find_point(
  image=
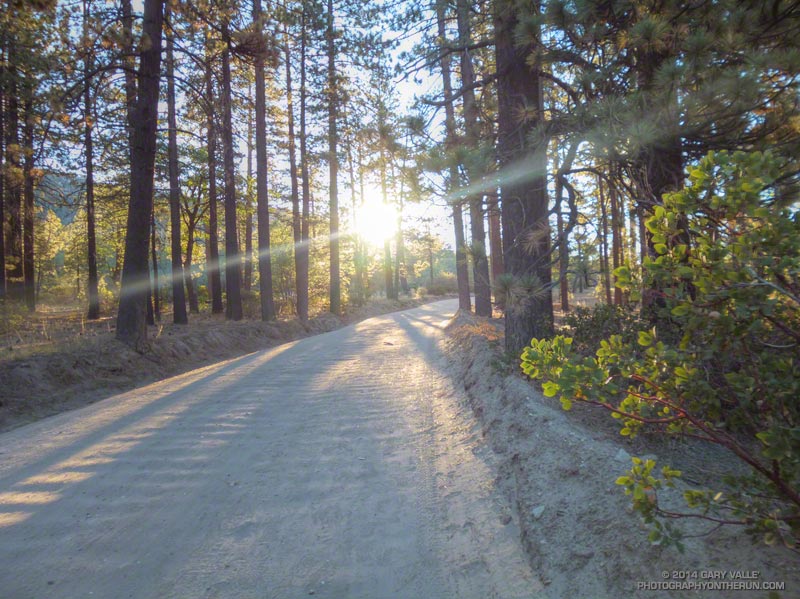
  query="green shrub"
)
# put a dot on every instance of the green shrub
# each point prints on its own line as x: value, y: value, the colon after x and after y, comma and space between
x: 589, y: 326
x: 444, y: 284
x: 732, y: 374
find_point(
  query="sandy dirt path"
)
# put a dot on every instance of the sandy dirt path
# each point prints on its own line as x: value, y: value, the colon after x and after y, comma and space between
x: 339, y: 466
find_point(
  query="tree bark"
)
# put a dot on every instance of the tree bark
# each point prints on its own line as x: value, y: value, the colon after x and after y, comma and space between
x: 480, y: 263
x: 155, y: 292
x: 262, y: 200
x: 495, y: 236
x: 92, y: 290
x: 142, y: 120
x: 604, y: 253
x: 28, y: 204
x: 233, y: 260
x: 302, y: 250
x: 179, y: 315
x: 214, y: 279
x: 297, y: 231
x: 15, y: 274
x: 333, y: 161
x: 247, y: 283
x: 2, y: 180
x: 194, y: 306
x: 616, y: 237
x: 526, y: 230
x: 462, y: 269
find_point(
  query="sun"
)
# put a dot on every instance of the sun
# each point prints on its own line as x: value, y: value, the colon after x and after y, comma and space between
x: 376, y: 222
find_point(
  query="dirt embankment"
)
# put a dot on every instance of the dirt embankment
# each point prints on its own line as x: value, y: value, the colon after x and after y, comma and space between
x: 560, y: 469
x: 42, y: 379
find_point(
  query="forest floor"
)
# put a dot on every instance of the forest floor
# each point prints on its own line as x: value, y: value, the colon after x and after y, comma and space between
x: 560, y: 468
x: 55, y: 361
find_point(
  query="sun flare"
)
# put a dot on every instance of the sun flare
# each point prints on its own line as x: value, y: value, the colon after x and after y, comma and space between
x: 376, y: 222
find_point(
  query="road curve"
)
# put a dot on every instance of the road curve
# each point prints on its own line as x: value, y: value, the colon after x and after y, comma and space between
x: 339, y: 466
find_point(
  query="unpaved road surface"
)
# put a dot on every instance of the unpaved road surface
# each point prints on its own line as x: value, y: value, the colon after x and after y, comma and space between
x: 339, y: 466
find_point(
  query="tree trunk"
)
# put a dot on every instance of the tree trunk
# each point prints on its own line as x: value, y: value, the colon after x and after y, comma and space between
x: 2, y: 177
x: 194, y: 306
x: 15, y: 274
x: 143, y: 120
x: 155, y: 292
x: 247, y: 283
x: 333, y: 161
x: 563, y: 249
x: 233, y: 260
x: 604, y: 253
x: 297, y: 230
x: 92, y: 290
x: 462, y: 269
x: 179, y: 315
x: 480, y: 263
x: 302, y: 250
x: 616, y: 237
x: 28, y: 205
x: 264, y: 259
x: 387, y: 247
x: 526, y: 230
x: 495, y: 236
x: 214, y: 279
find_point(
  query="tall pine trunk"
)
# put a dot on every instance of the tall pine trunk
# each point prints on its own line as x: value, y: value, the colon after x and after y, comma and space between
x: 480, y: 263
x: 526, y: 230
x: 2, y: 174
x: 495, y: 236
x: 233, y: 260
x: 451, y: 136
x: 179, y: 315
x: 333, y: 162
x: 29, y: 280
x: 15, y: 274
x: 92, y: 290
x: 143, y: 121
x: 297, y: 231
x: 247, y: 283
x: 191, y: 292
x: 302, y: 250
x: 214, y: 279
x: 262, y: 199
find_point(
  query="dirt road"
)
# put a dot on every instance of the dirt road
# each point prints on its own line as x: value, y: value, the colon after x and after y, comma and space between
x: 338, y: 466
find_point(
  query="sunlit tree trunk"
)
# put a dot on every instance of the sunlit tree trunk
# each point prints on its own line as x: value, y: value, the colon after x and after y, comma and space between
x: 480, y: 263
x: 262, y: 200
x: 247, y: 283
x: 604, y: 253
x: 214, y: 279
x: 179, y: 315
x: 233, y: 259
x: 333, y: 160
x: 2, y: 176
x: 143, y: 120
x: 462, y: 269
x: 297, y: 225
x: 13, y: 170
x: 27, y: 204
x: 525, y: 214
x: 302, y: 251
x: 88, y: 123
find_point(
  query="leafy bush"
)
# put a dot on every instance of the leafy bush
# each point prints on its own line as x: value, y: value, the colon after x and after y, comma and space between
x: 443, y: 284
x: 589, y: 326
x: 732, y: 376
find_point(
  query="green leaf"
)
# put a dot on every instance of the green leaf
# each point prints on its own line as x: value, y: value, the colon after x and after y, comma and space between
x: 680, y: 310
x: 645, y: 339
x: 550, y: 388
